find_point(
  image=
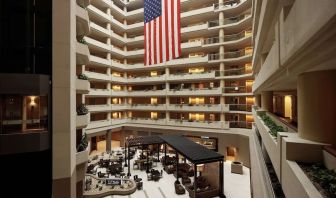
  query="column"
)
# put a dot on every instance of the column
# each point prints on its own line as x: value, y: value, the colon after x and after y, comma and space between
x: 257, y: 100
x: 108, y: 140
x: 64, y: 98
x: 316, y: 106
x: 267, y: 101
x: 24, y: 114
x: 167, y: 112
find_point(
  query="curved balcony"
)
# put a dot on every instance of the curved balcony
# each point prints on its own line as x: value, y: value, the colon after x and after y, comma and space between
x: 207, y: 75
x: 239, y: 40
x: 234, y: 73
x: 240, y: 56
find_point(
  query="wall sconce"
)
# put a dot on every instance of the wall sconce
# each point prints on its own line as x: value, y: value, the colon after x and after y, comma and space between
x: 32, y: 101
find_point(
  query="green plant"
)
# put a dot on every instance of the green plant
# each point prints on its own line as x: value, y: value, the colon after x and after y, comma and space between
x: 324, y: 177
x: 82, y: 110
x: 83, y: 41
x: 82, y: 77
x: 83, y: 143
x: 274, y: 128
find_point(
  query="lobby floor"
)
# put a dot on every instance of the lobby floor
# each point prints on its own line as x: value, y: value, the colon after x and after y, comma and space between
x: 235, y: 185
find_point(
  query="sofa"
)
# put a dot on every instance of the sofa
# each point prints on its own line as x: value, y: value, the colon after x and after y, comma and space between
x: 179, y: 188
x: 184, y: 170
x: 203, y: 189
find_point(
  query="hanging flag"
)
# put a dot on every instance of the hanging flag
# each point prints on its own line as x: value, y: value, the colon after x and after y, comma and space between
x: 162, y: 31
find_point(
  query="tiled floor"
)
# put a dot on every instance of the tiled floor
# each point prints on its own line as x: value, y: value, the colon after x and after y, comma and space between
x: 235, y: 186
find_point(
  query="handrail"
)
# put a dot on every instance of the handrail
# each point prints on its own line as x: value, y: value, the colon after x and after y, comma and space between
x: 235, y: 54
x: 227, y: 21
x: 226, y: 38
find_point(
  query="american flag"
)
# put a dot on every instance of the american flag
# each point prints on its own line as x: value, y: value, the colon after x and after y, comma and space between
x: 162, y: 31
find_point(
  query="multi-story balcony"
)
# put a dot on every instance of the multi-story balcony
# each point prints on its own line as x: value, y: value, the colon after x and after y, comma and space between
x: 148, y: 107
x: 207, y: 75
x: 201, y: 124
x: 237, y: 91
x: 195, y: 92
x: 195, y: 107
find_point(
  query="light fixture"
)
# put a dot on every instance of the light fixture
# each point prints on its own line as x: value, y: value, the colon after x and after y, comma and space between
x: 32, y: 101
x: 200, y: 168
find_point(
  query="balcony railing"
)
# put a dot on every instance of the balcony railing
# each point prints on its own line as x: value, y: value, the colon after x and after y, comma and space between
x: 233, y: 72
x: 226, y: 4
x: 237, y: 89
x: 228, y: 55
x: 241, y: 124
x: 226, y: 38
x: 227, y: 21
x: 240, y: 107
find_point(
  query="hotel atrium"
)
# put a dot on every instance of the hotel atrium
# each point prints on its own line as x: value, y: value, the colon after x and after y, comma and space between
x: 247, y: 109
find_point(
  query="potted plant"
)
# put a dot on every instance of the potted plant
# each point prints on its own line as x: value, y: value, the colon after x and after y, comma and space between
x: 82, y: 41
x: 83, y: 143
x: 82, y: 77
x: 82, y: 110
